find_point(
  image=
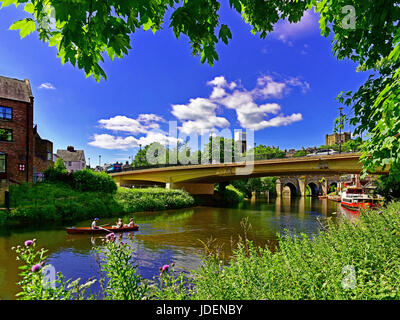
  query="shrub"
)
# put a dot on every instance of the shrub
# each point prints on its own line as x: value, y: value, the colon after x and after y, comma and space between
x: 87, y: 180
x: 57, y: 173
x: 229, y: 194
x: 133, y: 200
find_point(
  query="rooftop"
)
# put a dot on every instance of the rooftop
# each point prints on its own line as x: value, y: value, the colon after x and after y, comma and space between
x: 66, y: 155
x: 14, y: 89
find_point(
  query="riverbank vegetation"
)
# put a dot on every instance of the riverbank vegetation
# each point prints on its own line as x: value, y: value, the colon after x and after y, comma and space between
x: 60, y: 202
x: 227, y: 194
x: 351, y: 259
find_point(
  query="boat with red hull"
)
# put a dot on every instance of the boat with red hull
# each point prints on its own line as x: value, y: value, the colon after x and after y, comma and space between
x: 354, y: 198
x: 89, y: 230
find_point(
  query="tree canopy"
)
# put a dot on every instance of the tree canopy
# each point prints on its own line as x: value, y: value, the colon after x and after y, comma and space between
x: 367, y: 32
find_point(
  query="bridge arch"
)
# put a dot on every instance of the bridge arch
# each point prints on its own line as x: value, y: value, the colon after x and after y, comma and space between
x: 314, y: 189
x: 292, y: 188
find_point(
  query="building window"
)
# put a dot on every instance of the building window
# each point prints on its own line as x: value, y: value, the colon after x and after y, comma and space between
x: 69, y: 163
x: 2, y: 163
x: 21, y: 167
x: 6, y: 135
x: 5, y: 113
x: 49, y: 156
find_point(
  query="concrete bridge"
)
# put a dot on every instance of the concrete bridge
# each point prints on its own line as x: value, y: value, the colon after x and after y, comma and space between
x: 296, y: 173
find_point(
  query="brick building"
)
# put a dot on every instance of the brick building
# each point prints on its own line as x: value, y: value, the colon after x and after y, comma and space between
x: 331, y: 139
x: 18, y: 138
x: 43, y: 157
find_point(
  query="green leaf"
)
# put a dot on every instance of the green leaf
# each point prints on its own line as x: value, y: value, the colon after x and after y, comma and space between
x: 6, y: 3
x: 26, y: 26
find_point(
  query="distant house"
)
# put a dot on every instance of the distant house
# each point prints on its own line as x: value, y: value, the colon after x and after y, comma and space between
x: 74, y: 159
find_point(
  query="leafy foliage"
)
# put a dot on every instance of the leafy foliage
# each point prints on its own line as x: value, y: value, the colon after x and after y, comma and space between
x: 262, y: 152
x: 150, y: 199
x: 85, y: 31
x: 123, y: 281
x: 247, y: 186
x: 34, y: 285
x: 88, y: 180
x: 60, y: 202
x: 300, y: 153
x: 228, y: 194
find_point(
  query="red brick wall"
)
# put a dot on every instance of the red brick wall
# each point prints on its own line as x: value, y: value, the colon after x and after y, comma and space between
x: 42, y: 149
x: 16, y: 150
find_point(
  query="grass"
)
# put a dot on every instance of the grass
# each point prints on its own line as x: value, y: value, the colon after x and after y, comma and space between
x: 59, y: 202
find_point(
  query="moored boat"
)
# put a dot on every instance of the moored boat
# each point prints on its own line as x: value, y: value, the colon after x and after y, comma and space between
x: 89, y: 230
x: 355, y: 198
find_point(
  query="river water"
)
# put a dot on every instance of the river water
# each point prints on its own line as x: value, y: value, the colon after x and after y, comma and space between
x: 167, y: 236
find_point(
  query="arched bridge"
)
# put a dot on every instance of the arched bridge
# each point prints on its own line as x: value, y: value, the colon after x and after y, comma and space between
x: 200, y: 178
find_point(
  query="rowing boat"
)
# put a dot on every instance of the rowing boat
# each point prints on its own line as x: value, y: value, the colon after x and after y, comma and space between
x: 89, y: 230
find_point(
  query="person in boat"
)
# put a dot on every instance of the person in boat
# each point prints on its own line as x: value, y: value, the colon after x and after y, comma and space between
x: 119, y: 224
x: 94, y: 223
x: 130, y: 224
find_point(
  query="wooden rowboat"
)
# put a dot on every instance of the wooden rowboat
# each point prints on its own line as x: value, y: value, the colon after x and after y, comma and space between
x: 89, y: 230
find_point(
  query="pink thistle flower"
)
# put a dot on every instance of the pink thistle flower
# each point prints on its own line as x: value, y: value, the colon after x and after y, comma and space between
x: 28, y: 243
x: 36, y: 268
x: 165, y: 267
x: 110, y: 236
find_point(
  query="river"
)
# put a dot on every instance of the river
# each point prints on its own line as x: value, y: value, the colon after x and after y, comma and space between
x: 167, y: 236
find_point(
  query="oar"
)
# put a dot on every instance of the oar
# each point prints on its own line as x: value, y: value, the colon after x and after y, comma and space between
x: 105, y: 229
x: 103, y: 225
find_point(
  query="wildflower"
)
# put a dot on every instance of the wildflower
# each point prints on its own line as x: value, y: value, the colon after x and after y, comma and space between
x: 28, y: 243
x: 110, y: 236
x: 36, y: 268
x: 165, y: 267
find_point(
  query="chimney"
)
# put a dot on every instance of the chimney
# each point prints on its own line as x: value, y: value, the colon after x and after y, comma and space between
x: 70, y: 149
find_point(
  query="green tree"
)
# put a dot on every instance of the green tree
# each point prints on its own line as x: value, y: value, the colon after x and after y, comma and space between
x: 264, y: 152
x: 300, y: 153
x: 140, y: 158
x: 367, y: 32
x: 59, y: 166
x: 215, y: 149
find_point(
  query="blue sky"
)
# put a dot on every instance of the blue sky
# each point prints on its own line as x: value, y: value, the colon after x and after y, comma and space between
x: 284, y: 87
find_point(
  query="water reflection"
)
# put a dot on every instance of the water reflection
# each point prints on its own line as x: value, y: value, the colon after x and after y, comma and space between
x: 174, y: 235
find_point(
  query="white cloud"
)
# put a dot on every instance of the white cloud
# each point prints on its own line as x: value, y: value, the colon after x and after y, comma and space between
x: 142, y: 124
x: 198, y: 115
x: 218, y: 93
x: 254, y: 116
x: 107, y: 141
x: 47, y: 86
x: 286, y: 31
x: 268, y: 88
x: 278, y: 121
